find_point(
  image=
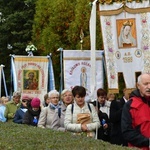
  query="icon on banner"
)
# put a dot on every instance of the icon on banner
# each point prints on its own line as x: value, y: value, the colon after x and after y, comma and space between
x: 126, y: 32
x: 30, y: 81
x: 83, y: 77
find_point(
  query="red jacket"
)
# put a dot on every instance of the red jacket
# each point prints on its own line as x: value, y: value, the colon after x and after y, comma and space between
x: 140, y: 113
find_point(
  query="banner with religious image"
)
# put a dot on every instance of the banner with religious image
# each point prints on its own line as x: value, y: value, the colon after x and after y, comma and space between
x: 77, y: 66
x: 126, y: 38
x: 31, y: 75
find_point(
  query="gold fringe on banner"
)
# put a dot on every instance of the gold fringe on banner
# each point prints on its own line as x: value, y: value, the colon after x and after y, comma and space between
x: 113, y: 91
x: 124, y: 8
x: 129, y: 90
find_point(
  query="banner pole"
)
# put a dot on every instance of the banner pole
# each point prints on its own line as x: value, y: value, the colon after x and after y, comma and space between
x: 61, y: 68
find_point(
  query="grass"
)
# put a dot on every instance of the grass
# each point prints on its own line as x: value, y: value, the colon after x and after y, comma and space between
x: 23, y: 137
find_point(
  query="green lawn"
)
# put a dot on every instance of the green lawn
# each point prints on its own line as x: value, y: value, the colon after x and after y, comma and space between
x: 22, y: 137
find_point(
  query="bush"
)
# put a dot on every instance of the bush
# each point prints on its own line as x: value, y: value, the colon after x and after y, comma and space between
x: 23, y: 137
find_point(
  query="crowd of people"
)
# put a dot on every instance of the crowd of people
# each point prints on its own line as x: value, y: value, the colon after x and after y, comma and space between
x: 123, y: 121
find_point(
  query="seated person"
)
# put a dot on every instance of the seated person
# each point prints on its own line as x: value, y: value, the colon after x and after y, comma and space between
x: 21, y: 111
x: 31, y: 116
x: 12, y: 106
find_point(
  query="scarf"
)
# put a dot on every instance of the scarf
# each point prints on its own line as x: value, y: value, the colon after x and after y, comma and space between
x: 52, y: 106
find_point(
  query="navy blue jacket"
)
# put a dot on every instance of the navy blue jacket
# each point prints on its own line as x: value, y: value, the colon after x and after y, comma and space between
x: 19, y: 115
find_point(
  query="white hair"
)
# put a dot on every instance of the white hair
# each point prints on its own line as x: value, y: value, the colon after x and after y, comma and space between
x: 140, y: 77
x: 53, y: 92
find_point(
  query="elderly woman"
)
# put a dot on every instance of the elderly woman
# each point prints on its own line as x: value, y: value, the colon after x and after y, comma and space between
x: 58, y: 120
x: 81, y: 117
x: 47, y: 113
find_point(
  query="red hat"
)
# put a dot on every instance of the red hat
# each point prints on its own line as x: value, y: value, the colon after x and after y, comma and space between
x: 35, y: 103
x: 26, y: 97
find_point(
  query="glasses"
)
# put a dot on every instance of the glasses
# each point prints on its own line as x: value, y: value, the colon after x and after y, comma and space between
x: 54, y: 97
x: 24, y: 101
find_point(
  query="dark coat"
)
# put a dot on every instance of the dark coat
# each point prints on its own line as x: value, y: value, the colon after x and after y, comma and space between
x: 19, y: 115
x: 115, y: 119
x: 103, y: 134
x: 31, y: 117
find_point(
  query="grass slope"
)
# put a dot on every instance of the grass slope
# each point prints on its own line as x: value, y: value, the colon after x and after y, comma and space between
x: 22, y: 137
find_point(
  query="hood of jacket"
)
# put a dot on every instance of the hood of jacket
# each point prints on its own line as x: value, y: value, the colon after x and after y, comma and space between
x: 135, y: 93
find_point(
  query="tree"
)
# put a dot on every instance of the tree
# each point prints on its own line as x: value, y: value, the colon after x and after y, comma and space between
x: 16, y: 29
x: 52, y: 21
x: 58, y: 24
x: 48, y: 24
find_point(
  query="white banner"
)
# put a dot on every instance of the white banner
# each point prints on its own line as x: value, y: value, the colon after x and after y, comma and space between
x: 77, y: 67
x: 32, y: 75
x: 126, y: 38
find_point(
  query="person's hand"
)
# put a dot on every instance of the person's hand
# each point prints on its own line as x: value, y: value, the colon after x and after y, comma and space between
x: 84, y: 127
x: 105, y: 126
x: 11, y: 115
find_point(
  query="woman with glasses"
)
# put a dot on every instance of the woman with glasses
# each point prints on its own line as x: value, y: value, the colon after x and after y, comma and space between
x: 47, y: 113
x: 21, y: 111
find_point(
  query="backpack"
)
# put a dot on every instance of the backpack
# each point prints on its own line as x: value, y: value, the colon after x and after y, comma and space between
x: 72, y: 108
x: 59, y: 112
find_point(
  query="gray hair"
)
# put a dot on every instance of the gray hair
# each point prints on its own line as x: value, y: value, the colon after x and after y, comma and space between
x: 140, y: 76
x: 53, y: 92
x: 17, y: 93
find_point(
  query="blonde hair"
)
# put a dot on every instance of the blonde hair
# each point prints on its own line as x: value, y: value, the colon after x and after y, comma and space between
x: 63, y: 92
x: 4, y: 100
x: 109, y: 96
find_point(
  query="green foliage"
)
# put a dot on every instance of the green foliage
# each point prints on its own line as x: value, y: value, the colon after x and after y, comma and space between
x: 58, y: 24
x: 16, y: 30
x: 16, y: 137
x: 48, y: 25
